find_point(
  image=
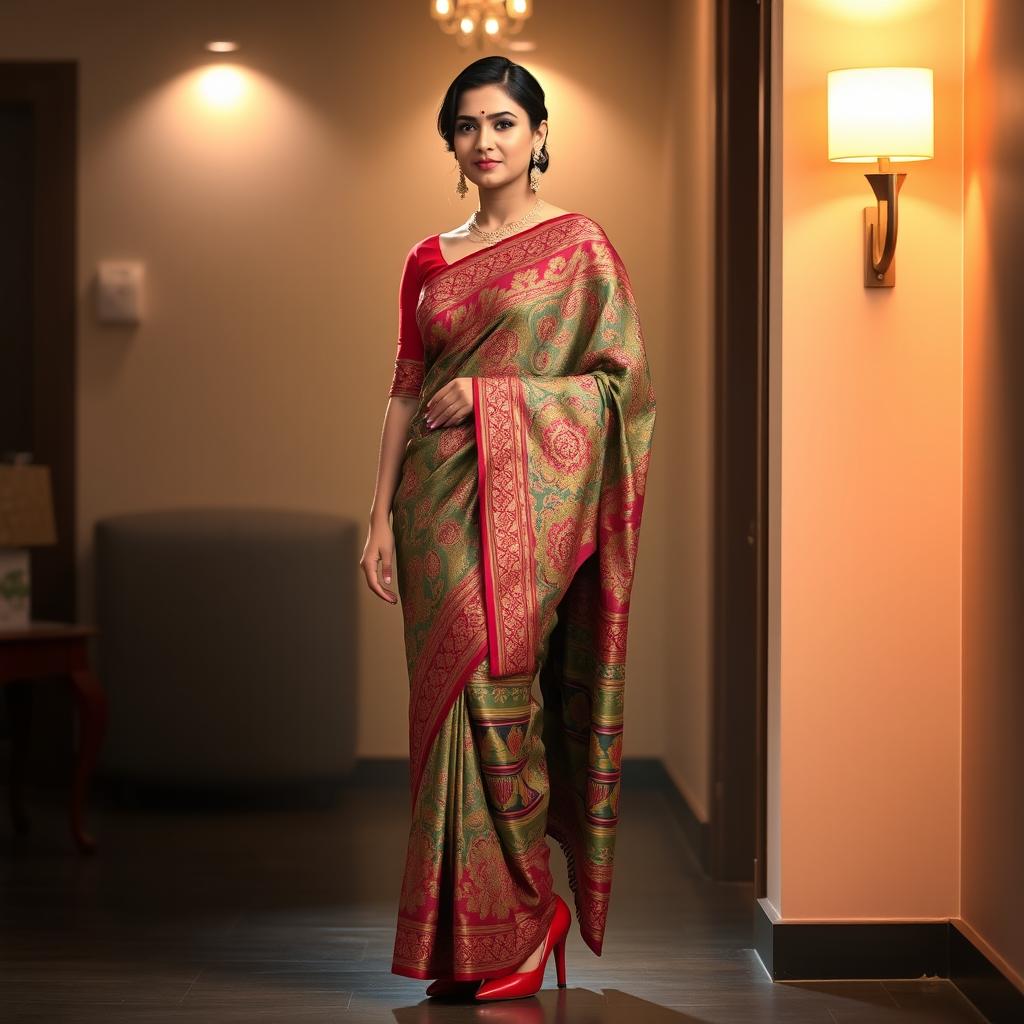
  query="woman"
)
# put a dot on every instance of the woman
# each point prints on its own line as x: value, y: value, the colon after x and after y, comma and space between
x: 514, y: 457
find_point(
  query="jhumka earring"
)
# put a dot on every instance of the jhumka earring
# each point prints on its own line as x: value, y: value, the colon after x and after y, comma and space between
x: 462, y: 188
x: 534, y: 176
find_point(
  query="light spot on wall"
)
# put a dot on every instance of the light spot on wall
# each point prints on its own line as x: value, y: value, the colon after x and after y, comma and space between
x: 222, y: 86
x: 874, y: 10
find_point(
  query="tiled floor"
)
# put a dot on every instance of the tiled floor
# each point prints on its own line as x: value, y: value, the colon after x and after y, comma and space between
x: 288, y: 915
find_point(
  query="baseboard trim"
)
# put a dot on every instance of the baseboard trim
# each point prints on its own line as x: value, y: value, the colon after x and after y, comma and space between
x: 980, y: 979
x: 138, y: 791
x: 651, y: 772
x: 808, y: 951
x: 814, y: 951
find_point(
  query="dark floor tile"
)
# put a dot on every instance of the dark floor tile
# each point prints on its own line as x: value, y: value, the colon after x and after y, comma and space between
x: 116, y: 1013
x: 938, y: 996
x: 288, y: 916
x: 843, y: 994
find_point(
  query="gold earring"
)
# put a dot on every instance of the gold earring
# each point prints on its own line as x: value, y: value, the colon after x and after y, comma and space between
x: 462, y: 188
x: 534, y: 176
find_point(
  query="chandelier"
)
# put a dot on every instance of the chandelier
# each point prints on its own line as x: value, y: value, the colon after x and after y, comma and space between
x: 481, y: 22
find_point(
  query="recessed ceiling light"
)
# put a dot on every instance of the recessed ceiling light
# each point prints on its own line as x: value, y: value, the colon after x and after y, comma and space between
x: 222, y: 46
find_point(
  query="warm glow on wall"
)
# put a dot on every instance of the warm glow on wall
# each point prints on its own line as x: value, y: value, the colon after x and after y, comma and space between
x: 222, y: 86
x: 866, y: 11
x: 880, y: 112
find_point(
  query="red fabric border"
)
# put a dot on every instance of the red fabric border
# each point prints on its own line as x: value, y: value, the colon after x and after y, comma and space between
x: 508, y: 543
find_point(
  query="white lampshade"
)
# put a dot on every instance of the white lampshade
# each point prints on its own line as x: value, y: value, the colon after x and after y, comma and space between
x: 880, y: 112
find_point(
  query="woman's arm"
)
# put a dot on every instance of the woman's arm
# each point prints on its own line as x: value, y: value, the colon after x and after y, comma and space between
x: 380, y: 541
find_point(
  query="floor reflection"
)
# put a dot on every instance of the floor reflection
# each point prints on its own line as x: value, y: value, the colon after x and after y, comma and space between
x: 549, y: 1006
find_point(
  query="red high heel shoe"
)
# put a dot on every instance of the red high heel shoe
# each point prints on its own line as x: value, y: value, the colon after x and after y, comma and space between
x: 528, y: 983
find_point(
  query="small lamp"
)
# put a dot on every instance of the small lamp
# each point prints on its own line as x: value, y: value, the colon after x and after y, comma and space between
x: 883, y: 114
x: 26, y: 520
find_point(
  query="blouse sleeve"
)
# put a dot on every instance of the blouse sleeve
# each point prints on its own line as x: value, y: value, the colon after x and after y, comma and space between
x: 408, y: 375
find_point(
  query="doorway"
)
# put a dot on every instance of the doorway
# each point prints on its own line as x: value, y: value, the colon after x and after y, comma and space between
x: 38, y: 182
x: 737, y: 839
x: 38, y: 178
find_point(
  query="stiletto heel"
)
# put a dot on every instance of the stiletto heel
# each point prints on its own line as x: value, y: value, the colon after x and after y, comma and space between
x: 527, y: 983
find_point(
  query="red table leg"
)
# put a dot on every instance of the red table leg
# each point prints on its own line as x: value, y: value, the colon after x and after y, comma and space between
x: 91, y: 702
x: 19, y: 711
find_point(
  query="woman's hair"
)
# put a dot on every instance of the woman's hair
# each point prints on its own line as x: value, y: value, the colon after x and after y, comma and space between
x: 520, y: 85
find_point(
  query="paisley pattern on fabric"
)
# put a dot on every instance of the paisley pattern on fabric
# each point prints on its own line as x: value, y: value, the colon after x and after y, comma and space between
x: 516, y: 538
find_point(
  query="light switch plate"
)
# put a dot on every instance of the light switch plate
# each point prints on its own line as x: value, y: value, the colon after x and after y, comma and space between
x: 119, y: 286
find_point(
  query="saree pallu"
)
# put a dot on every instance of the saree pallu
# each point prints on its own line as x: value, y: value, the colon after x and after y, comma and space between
x: 516, y: 537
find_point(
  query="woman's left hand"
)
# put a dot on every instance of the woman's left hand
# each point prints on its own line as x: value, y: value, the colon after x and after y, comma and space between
x: 451, y: 404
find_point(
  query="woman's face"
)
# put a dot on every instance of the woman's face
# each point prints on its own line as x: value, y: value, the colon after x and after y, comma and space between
x: 489, y: 125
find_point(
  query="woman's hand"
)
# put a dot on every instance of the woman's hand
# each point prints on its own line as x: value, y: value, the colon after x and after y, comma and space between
x: 380, y: 548
x: 451, y: 404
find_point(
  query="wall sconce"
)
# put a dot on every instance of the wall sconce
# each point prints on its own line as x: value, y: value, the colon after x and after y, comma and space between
x: 880, y: 114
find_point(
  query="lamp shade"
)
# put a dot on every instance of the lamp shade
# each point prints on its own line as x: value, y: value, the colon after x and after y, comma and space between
x: 880, y: 112
x: 26, y: 506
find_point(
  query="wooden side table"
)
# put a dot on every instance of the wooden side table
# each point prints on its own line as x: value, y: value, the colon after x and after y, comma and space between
x: 30, y: 654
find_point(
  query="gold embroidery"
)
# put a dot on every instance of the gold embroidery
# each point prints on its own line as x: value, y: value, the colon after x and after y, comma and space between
x: 408, y: 378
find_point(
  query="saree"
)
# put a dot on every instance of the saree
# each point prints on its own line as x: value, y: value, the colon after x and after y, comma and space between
x: 516, y: 536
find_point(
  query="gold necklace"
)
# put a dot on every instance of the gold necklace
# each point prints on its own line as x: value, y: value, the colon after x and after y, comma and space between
x: 506, y: 229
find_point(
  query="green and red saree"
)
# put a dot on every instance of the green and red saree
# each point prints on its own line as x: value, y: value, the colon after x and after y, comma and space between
x: 516, y: 537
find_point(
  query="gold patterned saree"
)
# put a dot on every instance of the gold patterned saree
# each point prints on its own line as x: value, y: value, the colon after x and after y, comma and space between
x: 516, y: 538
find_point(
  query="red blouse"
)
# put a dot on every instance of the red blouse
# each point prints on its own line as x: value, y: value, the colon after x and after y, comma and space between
x: 424, y: 259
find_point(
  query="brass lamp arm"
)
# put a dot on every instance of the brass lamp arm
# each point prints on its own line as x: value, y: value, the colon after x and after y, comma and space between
x: 886, y: 187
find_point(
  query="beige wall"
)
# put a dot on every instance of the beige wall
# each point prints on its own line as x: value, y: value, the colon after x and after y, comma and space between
x: 273, y: 239
x: 685, y: 415
x: 865, y: 739
x: 993, y: 665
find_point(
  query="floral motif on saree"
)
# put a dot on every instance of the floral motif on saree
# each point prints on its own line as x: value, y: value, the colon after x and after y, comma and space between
x: 516, y: 539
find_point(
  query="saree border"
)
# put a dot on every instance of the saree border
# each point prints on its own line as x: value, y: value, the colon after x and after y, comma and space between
x: 590, y: 897
x: 499, y: 946
x: 443, y: 668
x: 510, y: 255
x: 508, y: 542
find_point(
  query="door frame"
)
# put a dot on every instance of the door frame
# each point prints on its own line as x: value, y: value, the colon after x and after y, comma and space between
x: 50, y: 90
x: 737, y: 840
